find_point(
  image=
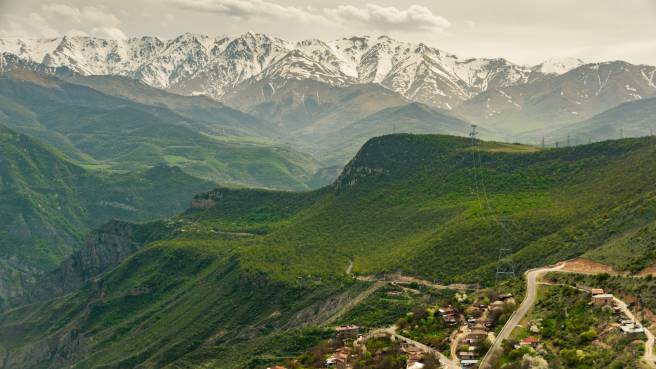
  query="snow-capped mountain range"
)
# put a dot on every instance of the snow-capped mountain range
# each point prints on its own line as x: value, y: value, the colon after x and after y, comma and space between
x: 197, y: 64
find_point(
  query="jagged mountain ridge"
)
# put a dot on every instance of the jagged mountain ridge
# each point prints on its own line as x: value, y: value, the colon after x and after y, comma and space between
x: 199, y: 64
x: 571, y: 97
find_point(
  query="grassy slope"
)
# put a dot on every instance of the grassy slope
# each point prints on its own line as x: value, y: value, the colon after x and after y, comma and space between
x: 48, y: 204
x: 233, y: 278
x: 114, y: 133
x: 409, y: 202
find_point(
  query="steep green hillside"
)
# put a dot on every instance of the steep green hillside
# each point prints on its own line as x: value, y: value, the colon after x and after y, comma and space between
x: 48, y: 204
x: 231, y: 280
x: 107, y: 132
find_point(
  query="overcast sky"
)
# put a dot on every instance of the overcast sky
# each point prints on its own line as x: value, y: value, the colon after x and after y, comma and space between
x: 524, y: 31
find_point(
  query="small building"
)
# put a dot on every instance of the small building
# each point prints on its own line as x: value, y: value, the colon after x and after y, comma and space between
x: 414, y: 360
x: 632, y: 327
x: 347, y: 331
x: 603, y: 299
x: 468, y: 363
x: 449, y: 314
x: 340, y: 358
x: 467, y: 355
x: 476, y: 336
x: 447, y: 310
x: 415, y: 365
x: 597, y: 291
x: 529, y: 341
x: 505, y: 296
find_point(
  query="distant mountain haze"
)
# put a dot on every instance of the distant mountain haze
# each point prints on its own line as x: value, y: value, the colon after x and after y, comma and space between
x: 296, y: 86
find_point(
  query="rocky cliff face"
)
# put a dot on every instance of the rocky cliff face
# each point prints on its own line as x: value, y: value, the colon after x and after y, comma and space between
x: 103, y: 249
x: 15, y: 276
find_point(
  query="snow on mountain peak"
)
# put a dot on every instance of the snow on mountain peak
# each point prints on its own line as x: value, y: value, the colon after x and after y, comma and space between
x: 559, y: 66
x: 200, y: 64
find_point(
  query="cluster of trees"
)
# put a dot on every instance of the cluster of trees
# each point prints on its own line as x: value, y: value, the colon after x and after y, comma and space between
x: 382, y: 353
x: 426, y: 326
x: 574, y: 335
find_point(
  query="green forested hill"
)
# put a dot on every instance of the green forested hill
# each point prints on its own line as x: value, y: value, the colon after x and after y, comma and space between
x: 48, y: 204
x: 237, y: 275
x: 115, y: 133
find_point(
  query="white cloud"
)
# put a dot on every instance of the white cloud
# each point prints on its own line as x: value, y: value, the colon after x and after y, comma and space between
x: 414, y: 18
x: 33, y: 25
x: 55, y: 19
x: 372, y: 16
x: 248, y: 9
x: 111, y: 33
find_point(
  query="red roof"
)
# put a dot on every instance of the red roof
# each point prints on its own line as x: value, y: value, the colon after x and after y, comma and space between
x: 530, y: 340
x: 344, y: 328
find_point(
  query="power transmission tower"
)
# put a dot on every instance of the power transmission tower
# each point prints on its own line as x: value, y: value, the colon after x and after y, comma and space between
x: 621, y: 133
x: 568, y: 141
x: 543, y: 142
x: 473, y: 133
x: 504, y: 268
x: 394, y: 129
x: 557, y: 143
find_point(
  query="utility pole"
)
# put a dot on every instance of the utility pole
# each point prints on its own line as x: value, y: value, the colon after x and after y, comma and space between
x: 568, y: 141
x: 394, y: 129
x: 543, y: 142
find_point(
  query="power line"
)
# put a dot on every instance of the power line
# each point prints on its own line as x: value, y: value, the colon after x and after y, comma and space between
x: 503, y: 267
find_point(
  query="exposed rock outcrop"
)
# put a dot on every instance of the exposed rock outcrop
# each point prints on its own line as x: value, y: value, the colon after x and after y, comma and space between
x: 103, y: 249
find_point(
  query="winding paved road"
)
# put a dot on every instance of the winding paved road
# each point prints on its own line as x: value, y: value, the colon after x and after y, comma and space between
x: 532, y: 277
x: 531, y: 294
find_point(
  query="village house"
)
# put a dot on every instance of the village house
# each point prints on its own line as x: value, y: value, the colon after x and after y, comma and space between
x: 602, y: 300
x: 414, y: 359
x: 632, y: 327
x: 467, y: 355
x: 597, y: 291
x: 506, y: 296
x: 339, y: 359
x: 529, y: 341
x: 476, y: 336
x: 468, y: 363
x: 347, y: 331
x: 497, y: 305
x: 449, y: 314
